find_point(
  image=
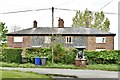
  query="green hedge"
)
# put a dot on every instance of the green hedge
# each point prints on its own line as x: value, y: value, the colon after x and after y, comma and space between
x: 61, y: 55
x: 31, y: 53
x: 69, y: 56
x: 12, y: 55
x: 103, y: 57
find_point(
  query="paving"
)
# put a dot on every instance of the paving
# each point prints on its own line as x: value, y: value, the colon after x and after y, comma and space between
x: 71, y: 72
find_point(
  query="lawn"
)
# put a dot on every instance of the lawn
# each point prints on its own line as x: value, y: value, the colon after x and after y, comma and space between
x: 107, y: 67
x: 18, y: 74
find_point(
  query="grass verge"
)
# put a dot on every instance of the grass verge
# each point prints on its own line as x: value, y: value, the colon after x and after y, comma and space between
x: 19, y: 74
x: 106, y: 67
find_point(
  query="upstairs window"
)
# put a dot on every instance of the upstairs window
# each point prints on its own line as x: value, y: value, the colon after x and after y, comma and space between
x: 68, y: 39
x: 18, y: 39
x: 47, y: 39
x: 100, y: 39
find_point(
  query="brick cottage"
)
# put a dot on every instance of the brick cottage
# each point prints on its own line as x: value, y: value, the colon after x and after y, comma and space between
x: 75, y: 37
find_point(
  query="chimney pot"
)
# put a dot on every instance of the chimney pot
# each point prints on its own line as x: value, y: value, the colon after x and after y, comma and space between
x: 34, y: 24
x: 60, y: 23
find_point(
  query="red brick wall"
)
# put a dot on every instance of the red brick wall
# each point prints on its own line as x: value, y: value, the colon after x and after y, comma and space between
x: 26, y: 42
x: 92, y: 45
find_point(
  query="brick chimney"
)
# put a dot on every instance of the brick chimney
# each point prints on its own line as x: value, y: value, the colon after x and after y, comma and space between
x: 34, y: 24
x: 60, y: 23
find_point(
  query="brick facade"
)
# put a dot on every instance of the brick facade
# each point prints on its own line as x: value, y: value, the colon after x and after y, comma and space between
x: 26, y: 42
x: 108, y: 45
x: 88, y: 41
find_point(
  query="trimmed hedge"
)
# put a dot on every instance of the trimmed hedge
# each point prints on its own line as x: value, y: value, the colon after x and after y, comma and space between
x: 103, y: 57
x: 61, y: 55
x: 31, y: 53
x: 12, y: 55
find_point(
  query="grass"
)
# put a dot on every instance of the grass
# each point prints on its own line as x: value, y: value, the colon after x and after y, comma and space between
x: 18, y: 74
x: 107, y: 67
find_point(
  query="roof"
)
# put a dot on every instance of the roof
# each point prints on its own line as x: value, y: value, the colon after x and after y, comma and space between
x: 62, y: 31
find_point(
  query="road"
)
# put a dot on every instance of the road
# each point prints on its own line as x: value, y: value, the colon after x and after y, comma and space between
x: 71, y: 72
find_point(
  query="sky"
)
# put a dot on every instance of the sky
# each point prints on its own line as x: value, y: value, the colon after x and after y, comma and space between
x: 25, y: 19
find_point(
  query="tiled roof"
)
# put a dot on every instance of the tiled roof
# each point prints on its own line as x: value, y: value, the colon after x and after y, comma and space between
x: 65, y: 31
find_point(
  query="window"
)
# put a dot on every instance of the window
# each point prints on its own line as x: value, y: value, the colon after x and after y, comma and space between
x: 68, y: 39
x: 18, y: 39
x: 100, y: 39
x: 47, y: 39
x: 100, y: 49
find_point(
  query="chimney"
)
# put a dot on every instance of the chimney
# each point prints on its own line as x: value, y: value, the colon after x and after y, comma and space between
x: 61, y: 23
x: 34, y: 24
x: 87, y: 24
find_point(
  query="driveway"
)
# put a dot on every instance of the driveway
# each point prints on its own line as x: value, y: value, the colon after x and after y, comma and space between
x: 71, y: 72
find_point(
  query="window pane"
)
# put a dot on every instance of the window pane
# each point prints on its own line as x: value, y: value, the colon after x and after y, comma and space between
x: 18, y: 39
x: 100, y: 39
x: 68, y: 39
x: 47, y: 39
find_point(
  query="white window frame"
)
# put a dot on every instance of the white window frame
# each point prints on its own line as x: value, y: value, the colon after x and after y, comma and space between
x: 18, y: 38
x: 100, y: 49
x: 47, y: 39
x: 67, y: 39
x: 100, y: 39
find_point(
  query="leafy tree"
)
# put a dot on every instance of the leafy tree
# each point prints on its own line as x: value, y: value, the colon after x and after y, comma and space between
x: 90, y: 19
x: 3, y: 31
x: 55, y: 40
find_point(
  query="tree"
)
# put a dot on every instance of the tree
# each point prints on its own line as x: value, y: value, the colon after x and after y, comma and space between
x: 3, y: 31
x: 55, y: 40
x: 90, y: 19
x: 15, y: 28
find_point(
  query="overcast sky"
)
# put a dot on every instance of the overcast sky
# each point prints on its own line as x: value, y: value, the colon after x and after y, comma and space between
x: 25, y: 20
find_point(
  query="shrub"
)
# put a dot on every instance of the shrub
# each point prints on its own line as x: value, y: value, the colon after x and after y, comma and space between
x: 12, y: 55
x: 59, y: 52
x: 69, y: 56
x: 61, y: 55
x: 102, y: 57
x: 31, y: 53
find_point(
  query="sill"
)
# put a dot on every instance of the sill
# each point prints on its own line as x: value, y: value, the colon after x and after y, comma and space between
x: 100, y: 43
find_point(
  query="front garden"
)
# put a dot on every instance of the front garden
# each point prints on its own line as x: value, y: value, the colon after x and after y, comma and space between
x: 63, y: 58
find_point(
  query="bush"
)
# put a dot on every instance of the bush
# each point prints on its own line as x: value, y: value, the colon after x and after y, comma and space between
x: 102, y: 57
x: 59, y: 52
x: 61, y: 55
x: 31, y: 53
x: 69, y: 56
x: 12, y: 55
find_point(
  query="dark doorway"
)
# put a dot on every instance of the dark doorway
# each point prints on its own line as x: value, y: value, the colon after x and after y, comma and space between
x: 80, y: 49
